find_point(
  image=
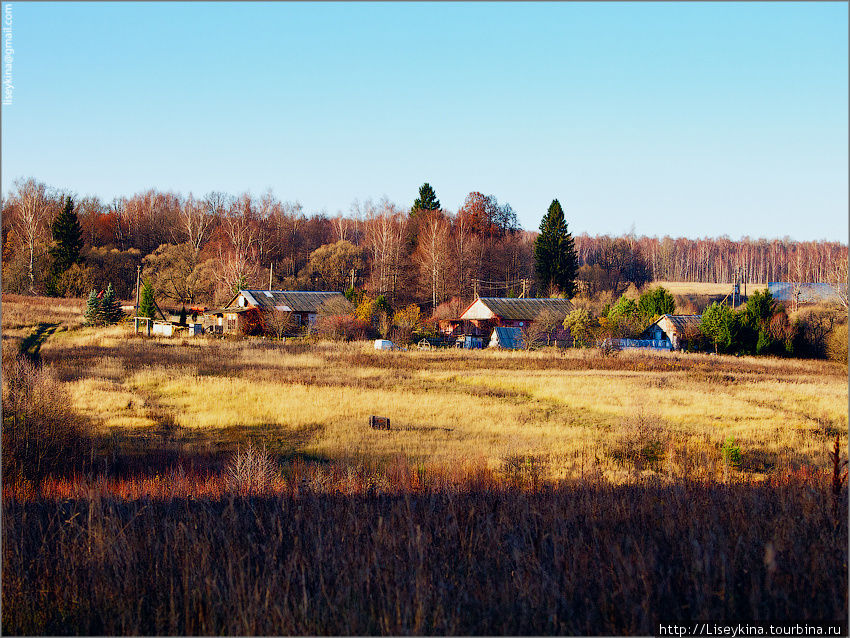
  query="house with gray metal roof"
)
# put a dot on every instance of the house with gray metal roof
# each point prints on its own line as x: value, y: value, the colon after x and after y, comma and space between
x: 511, y: 312
x: 305, y: 307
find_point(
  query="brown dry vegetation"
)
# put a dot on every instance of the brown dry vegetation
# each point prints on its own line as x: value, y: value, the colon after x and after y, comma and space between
x: 523, y: 493
x: 585, y: 558
x: 693, y: 297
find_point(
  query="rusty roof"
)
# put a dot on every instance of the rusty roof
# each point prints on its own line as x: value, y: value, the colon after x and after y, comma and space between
x: 296, y: 300
x: 513, y: 309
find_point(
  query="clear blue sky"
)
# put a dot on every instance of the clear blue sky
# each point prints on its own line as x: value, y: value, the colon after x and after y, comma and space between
x: 678, y: 118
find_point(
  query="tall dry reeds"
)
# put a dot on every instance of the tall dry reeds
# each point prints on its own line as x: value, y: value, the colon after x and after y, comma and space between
x: 41, y: 435
x: 579, y: 558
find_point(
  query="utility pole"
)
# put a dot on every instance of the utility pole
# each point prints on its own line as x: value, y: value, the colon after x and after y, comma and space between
x: 138, y: 277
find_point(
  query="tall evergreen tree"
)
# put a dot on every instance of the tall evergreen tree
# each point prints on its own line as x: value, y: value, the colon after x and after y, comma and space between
x: 555, y: 260
x: 68, y: 238
x: 147, y: 308
x: 92, y: 309
x: 110, y: 309
x: 427, y: 199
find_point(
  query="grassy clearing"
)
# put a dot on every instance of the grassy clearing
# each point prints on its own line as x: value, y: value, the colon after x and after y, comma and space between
x: 560, y: 409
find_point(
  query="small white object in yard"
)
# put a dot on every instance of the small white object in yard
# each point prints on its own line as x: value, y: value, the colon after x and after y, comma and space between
x: 383, y: 344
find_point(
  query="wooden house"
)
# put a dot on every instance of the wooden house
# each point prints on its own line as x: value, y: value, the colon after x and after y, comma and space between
x: 234, y: 317
x: 677, y: 329
x: 486, y: 313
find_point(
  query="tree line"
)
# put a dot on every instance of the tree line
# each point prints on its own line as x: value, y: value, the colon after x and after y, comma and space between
x: 199, y: 250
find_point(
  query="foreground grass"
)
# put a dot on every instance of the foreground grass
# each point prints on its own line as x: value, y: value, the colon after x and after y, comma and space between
x: 586, y: 558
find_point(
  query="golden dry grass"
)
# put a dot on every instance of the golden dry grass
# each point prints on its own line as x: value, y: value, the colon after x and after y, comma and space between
x: 700, y: 288
x: 565, y: 411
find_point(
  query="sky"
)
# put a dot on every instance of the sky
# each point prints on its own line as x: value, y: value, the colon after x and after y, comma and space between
x: 680, y: 119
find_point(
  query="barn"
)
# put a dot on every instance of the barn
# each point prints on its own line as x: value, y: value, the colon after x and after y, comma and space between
x: 677, y: 329
x: 304, y: 306
x: 486, y: 313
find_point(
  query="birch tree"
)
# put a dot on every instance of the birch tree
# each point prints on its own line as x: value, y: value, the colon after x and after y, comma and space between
x: 32, y: 206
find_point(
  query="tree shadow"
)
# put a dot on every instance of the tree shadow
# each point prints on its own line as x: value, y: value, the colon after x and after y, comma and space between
x: 31, y: 346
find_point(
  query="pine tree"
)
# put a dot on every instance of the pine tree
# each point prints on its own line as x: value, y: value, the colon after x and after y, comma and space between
x: 555, y: 259
x: 147, y: 308
x: 92, y: 309
x: 68, y: 238
x: 427, y: 199
x: 110, y: 310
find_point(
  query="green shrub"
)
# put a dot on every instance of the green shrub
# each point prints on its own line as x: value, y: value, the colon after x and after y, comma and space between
x: 730, y: 453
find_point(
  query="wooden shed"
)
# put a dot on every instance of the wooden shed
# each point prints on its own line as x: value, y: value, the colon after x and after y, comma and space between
x: 304, y: 306
x: 677, y: 329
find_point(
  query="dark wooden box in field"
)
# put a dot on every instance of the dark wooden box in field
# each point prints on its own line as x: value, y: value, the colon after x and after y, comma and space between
x: 379, y: 422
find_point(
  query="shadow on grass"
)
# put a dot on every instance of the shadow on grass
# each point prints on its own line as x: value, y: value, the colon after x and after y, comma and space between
x: 159, y: 449
x: 31, y: 346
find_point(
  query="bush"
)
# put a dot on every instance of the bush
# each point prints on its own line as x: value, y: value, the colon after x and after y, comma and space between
x: 251, y: 471
x: 656, y: 302
x: 340, y: 327
x: 42, y: 436
x: 836, y: 345
x: 407, y: 320
x: 813, y: 327
x: 75, y: 281
x: 624, y: 319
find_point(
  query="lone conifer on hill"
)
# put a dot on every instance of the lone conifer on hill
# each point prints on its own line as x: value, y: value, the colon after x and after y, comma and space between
x: 555, y: 260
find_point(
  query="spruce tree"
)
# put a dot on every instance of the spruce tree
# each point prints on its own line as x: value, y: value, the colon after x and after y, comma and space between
x: 68, y: 238
x: 110, y: 310
x: 147, y: 308
x: 427, y: 199
x: 92, y: 309
x: 555, y: 259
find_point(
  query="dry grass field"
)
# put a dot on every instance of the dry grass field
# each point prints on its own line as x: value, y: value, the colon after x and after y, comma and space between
x: 694, y: 297
x: 700, y: 288
x: 562, y: 411
x: 516, y: 492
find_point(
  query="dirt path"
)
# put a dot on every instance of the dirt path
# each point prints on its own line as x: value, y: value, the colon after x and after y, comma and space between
x: 31, y: 346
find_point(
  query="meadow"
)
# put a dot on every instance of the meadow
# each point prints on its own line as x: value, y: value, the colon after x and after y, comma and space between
x: 234, y: 486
